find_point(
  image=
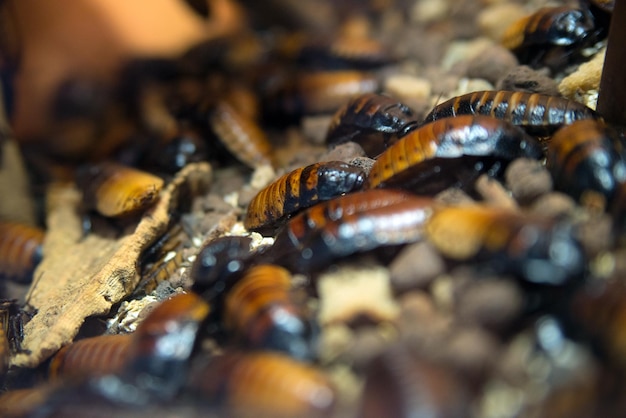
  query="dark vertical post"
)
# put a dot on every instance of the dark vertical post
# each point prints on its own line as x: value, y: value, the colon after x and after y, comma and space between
x: 612, y: 96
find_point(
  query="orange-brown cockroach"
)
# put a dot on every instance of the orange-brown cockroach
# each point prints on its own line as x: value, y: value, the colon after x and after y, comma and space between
x: 451, y: 151
x: 263, y: 384
x: 373, y: 121
x: 261, y: 311
x: 115, y: 190
x: 538, y: 114
x: 95, y: 356
x: 300, y: 189
x: 585, y: 159
x: 537, y: 250
x: 241, y: 136
x: 20, y: 250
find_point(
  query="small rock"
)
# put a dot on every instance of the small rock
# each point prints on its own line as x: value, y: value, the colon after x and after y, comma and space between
x: 364, y: 163
x: 595, y: 234
x: 460, y: 51
x: 426, y: 11
x: 492, y: 64
x: 416, y: 266
x: 314, y: 128
x: 554, y: 204
x: 494, y: 20
x: 524, y: 78
x: 346, y: 151
x: 471, y: 351
x: 527, y: 180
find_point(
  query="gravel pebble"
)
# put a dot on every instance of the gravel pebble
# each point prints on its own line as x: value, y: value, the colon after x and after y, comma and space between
x: 416, y: 266
x: 524, y: 78
x: 527, y: 180
x: 494, y: 20
x: 553, y: 204
x: 405, y: 86
x: 314, y: 128
x: 492, y: 64
x: 345, y: 151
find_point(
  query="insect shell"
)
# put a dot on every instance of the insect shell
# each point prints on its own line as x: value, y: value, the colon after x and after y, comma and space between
x: 261, y: 311
x: 115, y: 190
x: 349, y: 224
x: 587, y: 160
x: 241, y: 136
x: 373, y: 121
x: 450, y: 151
x: 262, y: 384
x: 95, y: 356
x: 300, y: 189
x: 541, y: 251
x: 538, y: 114
x: 163, y: 344
x: 20, y: 250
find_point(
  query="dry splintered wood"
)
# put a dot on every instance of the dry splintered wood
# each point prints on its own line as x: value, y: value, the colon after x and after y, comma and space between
x: 84, y: 276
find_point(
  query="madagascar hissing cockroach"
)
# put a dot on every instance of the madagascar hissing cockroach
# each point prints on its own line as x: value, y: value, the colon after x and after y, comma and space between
x: 334, y: 229
x: 315, y: 92
x: 11, y: 331
x: 261, y: 311
x: 242, y: 136
x: 163, y: 343
x: 95, y: 356
x: 343, y: 52
x: 372, y: 120
x: 451, y: 151
x: 115, y: 190
x: 538, y: 114
x: 263, y: 384
x: 538, y: 250
x: 20, y: 250
x: 548, y: 26
x: 301, y: 189
x: 587, y: 160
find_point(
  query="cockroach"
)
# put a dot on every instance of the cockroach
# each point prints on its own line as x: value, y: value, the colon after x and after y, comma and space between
x: 262, y: 312
x: 20, y: 250
x: 242, y: 136
x: 300, y: 189
x: 95, y: 356
x: 23, y: 402
x: 343, y: 52
x: 178, y: 151
x: 451, y: 151
x: 550, y: 35
x: 587, y: 160
x: 538, y: 250
x: 262, y: 384
x: 372, y: 120
x: 316, y: 92
x: 218, y: 264
x: 115, y: 190
x: 334, y: 229
x: 11, y: 331
x: 538, y: 114
x: 163, y: 344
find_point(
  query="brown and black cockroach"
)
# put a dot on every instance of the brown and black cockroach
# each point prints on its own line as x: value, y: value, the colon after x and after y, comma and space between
x: 538, y: 114
x: 314, y: 92
x: 95, y: 356
x: 343, y: 52
x: 263, y: 313
x: 345, y: 226
x: 372, y: 120
x: 537, y: 250
x: 18, y: 403
x: 300, y: 189
x: 451, y: 151
x: 398, y: 384
x: 587, y: 160
x: 549, y: 35
x: 242, y: 136
x: 243, y: 384
x: 11, y: 331
x: 162, y: 345
x: 20, y: 250
x: 218, y: 265
x: 115, y: 190
x: 178, y: 151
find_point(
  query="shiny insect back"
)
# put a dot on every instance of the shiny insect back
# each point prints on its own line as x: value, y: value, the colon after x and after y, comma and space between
x: 115, y: 190
x: 316, y: 238
x: 242, y: 136
x: 587, y: 160
x: 261, y: 310
x: 96, y: 356
x: 451, y: 151
x: 538, y: 250
x: 262, y: 384
x: 20, y: 250
x: 538, y: 114
x: 300, y: 189
x: 372, y: 120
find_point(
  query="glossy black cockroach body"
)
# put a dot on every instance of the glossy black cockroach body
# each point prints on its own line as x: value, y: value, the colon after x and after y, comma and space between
x: 301, y: 189
x: 538, y: 114
x: 587, y: 158
x: 20, y: 250
x: 451, y: 151
x: 372, y: 120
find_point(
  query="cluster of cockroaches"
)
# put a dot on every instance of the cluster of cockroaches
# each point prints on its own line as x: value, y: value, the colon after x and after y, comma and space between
x: 326, y: 212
